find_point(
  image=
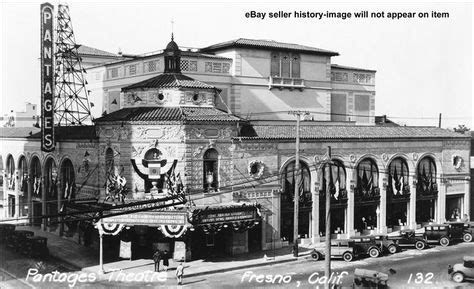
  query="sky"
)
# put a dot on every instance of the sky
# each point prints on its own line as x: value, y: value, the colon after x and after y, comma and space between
x: 424, y: 65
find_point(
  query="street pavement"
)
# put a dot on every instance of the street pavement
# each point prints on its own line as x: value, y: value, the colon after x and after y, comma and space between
x: 428, y: 269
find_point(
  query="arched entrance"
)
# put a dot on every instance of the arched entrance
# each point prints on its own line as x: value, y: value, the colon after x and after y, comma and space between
x: 426, y: 191
x: 398, y: 194
x: 68, y: 180
x: 366, y: 197
x: 11, y: 185
x: 287, y: 201
x: 23, y: 186
x: 336, y: 179
x: 51, y: 190
x: 36, y: 191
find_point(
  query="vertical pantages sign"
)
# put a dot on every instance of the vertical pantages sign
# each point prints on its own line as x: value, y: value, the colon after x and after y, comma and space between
x: 47, y: 78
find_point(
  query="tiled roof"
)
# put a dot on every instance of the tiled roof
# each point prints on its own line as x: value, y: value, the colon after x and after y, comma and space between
x: 61, y: 132
x: 180, y: 114
x: 337, y: 66
x: 344, y: 132
x: 268, y: 44
x: 87, y: 50
x: 169, y: 80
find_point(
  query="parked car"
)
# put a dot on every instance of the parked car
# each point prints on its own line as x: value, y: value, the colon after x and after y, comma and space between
x: 459, y: 272
x: 409, y: 239
x: 344, y: 249
x: 467, y: 229
x: 18, y: 239
x: 6, y: 230
x: 388, y: 245
x: 444, y: 234
x: 36, y: 246
x: 369, y: 246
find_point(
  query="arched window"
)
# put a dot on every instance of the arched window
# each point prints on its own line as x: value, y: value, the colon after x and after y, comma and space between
x: 35, y: 174
x: 304, y: 186
x: 109, y: 162
x: 398, y: 177
x: 367, y: 178
x: 153, y: 155
x: 426, y: 175
x: 68, y: 182
x: 10, y: 173
x: 337, y: 180
x: 51, y: 178
x: 211, y: 170
x: 23, y: 174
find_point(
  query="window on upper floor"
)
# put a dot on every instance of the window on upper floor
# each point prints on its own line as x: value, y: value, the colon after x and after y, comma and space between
x: 211, y: 170
x: 362, y: 78
x: 216, y: 67
x: 150, y: 66
x: 285, y: 64
x: 112, y: 72
x: 131, y: 69
x: 339, y: 76
x: 188, y: 65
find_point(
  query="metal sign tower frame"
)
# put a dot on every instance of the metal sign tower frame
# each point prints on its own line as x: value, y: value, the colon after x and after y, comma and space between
x: 71, y: 102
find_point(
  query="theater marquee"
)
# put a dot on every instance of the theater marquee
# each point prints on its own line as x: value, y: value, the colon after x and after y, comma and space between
x: 47, y: 78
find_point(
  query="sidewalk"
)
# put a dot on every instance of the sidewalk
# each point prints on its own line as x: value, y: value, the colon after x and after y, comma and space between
x: 87, y: 259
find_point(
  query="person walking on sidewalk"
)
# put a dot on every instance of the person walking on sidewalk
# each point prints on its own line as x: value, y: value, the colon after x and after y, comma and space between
x: 180, y: 273
x: 166, y: 260
x: 156, y: 259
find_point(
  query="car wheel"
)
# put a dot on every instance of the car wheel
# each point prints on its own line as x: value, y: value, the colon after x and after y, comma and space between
x: 316, y: 256
x: 467, y: 237
x: 374, y: 252
x: 392, y: 249
x: 347, y: 256
x: 420, y: 245
x: 458, y: 277
x: 444, y: 241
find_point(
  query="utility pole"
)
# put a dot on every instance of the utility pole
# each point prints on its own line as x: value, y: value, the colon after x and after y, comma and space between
x: 327, y: 259
x: 296, y: 199
x: 439, y: 122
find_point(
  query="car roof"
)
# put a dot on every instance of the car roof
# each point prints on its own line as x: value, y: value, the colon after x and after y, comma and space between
x: 468, y: 258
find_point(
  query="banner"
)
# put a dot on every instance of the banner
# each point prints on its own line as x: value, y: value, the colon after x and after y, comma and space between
x: 47, y: 78
x: 125, y: 250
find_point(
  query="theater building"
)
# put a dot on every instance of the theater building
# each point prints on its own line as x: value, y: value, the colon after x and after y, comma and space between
x: 218, y: 118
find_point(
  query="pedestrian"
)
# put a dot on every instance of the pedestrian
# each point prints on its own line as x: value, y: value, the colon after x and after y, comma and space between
x: 180, y: 273
x: 156, y: 259
x: 166, y: 260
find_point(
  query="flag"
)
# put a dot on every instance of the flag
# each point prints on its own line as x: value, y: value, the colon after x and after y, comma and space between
x: 396, y: 181
x: 336, y: 185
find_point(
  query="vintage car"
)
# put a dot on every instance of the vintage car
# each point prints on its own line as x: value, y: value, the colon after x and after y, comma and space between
x: 467, y: 229
x: 444, y: 234
x: 6, y: 230
x: 364, y: 278
x: 18, y: 239
x: 368, y: 245
x: 35, y: 246
x: 344, y: 249
x: 409, y: 239
x: 388, y: 245
x: 459, y: 272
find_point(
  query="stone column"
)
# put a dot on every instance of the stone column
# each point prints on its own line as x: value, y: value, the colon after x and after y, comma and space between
x: 350, y: 206
x: 5, y: 194
x: 30, y: 202
x: 44, y: 221
x: 264, y: 229
x: 467, y: 203
x: 443, y: 185
x: 411, y: 216
x: 60, y: 197
x: 315, y: 213
x: 276, y: 214
x: 17, y: 194
x: 382, y: 216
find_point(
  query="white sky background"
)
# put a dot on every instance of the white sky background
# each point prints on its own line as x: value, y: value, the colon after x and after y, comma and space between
x: 424, y: 66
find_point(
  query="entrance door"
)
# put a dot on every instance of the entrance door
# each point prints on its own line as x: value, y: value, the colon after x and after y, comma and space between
x: 255, y: 238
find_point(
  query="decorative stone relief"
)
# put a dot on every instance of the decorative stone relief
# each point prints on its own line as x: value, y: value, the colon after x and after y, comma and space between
x: 137, y: 151
x: 415, y: 156
x: 458, y: 162
x: 353, y: 158
x: 197, y: 151
x: 384, y: 157
x: 316, y: 159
